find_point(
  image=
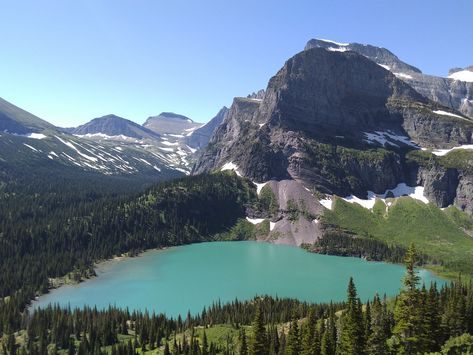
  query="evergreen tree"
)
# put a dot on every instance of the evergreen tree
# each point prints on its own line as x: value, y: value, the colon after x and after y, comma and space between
x: 243, y: 343
x: 409, y: 329
x: 166, y: 349
x: 376, y: 341
x: 308, y: 334
x: 259, y: 343
x: 293, y: 344
x: 205, y: 345
x: 351, y: 336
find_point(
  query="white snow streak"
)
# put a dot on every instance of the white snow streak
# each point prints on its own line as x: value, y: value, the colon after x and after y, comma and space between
x: 445, y: 113
x: 231, y: 166
x: 254, y: 220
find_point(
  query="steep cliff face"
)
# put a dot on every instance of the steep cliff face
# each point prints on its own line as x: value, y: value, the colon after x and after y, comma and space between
x: 335, y: 121
x: 200, y: 137
x: 455, y: 92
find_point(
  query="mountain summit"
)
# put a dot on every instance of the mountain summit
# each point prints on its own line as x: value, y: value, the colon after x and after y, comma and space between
x: 170, y: 123
x: 455, y: 92
x: 112, y: 125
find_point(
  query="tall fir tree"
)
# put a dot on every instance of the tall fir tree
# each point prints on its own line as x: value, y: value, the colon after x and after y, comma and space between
x: 352, y: 325
x: 259, y: 340
x: 376, y: 341
x: 293, y: 344
x: 409, y: 329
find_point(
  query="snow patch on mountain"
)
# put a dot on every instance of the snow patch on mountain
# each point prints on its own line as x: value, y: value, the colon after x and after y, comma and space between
x: 442, y: 152
x: 415, y: 192
x: 337, y: 43
x: 388, y: 137
x: 259, y: 187
x: 462, y: 75
x: 254, y: 220
x: 403, y: 75
x: 326, y: 202
x: 35, y: 135
x: 231, y: 166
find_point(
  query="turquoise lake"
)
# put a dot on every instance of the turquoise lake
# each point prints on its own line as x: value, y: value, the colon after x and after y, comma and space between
x: 179, y: 279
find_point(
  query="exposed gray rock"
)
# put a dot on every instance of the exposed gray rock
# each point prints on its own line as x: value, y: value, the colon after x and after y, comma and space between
x: 311, y: 126
x: 464, y: 193
x: 200, y: 137
x: 306, y: 229
x: 455, y: 94
x: 440, y: 184
x: 257, y: 95
x: 113, y: 125
x: 379, y: 55
x: 171, y: 123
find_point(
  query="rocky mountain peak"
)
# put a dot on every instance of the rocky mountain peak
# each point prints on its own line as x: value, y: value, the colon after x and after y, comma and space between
x: 171, y: 123
x: 113, y: 126
x: 172, y: 116
x: 379, y: 55
x: 456, y: 94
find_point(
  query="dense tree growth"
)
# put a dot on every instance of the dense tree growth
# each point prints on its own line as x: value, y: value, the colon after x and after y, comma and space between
x: 67, y: 232
x: 423, y: 320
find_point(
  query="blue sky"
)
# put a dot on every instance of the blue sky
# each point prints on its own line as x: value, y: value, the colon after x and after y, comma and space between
x: 71, y: 61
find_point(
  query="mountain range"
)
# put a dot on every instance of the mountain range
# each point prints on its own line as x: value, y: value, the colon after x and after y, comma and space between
x: 339, y: 121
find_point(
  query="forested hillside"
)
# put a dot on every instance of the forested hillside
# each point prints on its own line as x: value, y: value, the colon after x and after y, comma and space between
x: 69, y: 231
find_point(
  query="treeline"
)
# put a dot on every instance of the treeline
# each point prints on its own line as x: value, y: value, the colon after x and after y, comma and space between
x: 89, y: 331
x: 346, y: 244
x: 64, y: 232
x: 421, y: 320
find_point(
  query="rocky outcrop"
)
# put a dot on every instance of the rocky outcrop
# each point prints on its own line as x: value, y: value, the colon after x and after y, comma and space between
x: 464, y: 193
x: 381, y: 56
x: 313, y: 121
x: 440, y: 184
x: 453, y: 92
x: 200, y: 137
x: 432, y: 126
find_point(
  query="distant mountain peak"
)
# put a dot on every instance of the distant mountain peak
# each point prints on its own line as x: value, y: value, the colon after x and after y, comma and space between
x: 173, y: 116
x: 170, y: 123
x: 113, y: 125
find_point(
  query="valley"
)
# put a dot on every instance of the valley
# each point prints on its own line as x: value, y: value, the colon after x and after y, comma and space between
x: 348, y: 164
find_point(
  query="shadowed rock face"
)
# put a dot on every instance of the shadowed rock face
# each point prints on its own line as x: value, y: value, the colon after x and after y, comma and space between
x: 455, y: 94
x: 312, y: 121
x: 327, y: 93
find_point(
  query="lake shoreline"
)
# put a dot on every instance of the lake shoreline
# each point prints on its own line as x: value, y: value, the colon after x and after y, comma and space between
x: 227, y: 272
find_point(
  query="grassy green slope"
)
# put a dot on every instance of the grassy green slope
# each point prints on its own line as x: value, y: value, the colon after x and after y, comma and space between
x: 443, y: 235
